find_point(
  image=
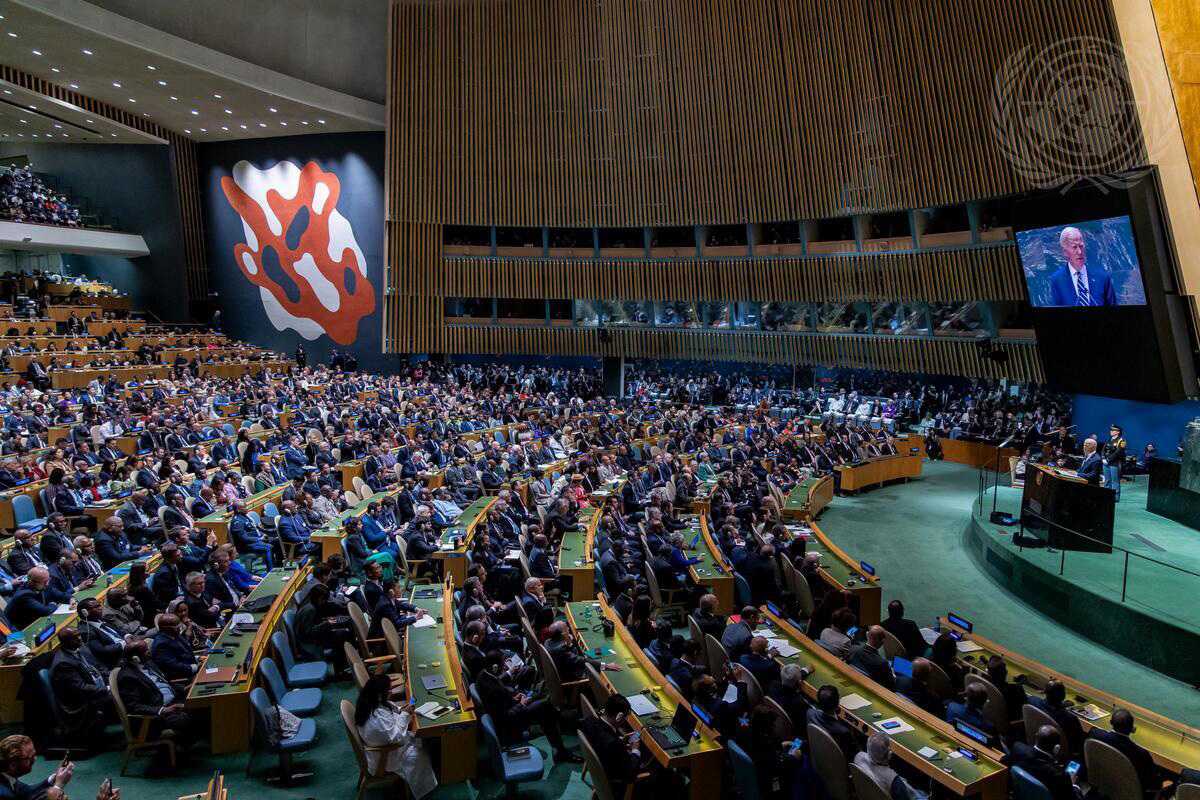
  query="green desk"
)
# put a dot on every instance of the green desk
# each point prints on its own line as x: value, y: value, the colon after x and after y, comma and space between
x: 575, y: 561
x: 454, y: 555
x: 985, y: 776
x: 808, y: 498
x: 844, y: 573
x: 330, y: 535
x: 218, y: 521
x: 229, y: 702
x: 432, y: 651
x: 703, y: 758
x: 12, y: 709
x: 1173, y: 744
x: 713, y: 569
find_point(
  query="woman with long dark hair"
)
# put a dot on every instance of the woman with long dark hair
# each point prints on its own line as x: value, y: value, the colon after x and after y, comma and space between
x: 386, y: 728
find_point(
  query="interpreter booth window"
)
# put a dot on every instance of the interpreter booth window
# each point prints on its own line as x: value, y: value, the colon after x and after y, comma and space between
x: 521, y: 312
x: 469, y: 309
x: 675, y: 315
x: 900, y: 319
x: 727, y: 316
x: 616, y: 313
x: 787, y: 317
x: 843, y: 317
x: 960, y: 319
x: 561, y: 312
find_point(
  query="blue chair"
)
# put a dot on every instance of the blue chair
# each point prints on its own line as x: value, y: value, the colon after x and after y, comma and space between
x: 741, y: 589
x: 59, y: 726
x: 510, y: 771
x: 299, y: 675
x: 271, y: 515
x: 24, y: 514
x: 301, y: 702
x: 260, y: 706
x: 228, y: 428
x: 1027, y: 787
x: 745, y: 776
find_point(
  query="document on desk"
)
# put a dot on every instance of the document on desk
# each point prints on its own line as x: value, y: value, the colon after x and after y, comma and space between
x: 967, y: 646
x: 63, y: 608
x: 425, y: 622
x: 893, y: 726
x: 781, y: 647
x: 731, y: 693
x: 641, y: 705
x: 853, y: 702
x: 929, y: 635
x: 242, y: 618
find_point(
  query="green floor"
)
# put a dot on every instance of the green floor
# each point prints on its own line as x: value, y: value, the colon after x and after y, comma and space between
x: 1156, y: 546
x: 912, y: 533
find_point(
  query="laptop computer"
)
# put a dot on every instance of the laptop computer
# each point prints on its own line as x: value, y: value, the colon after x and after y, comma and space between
x: 679, y: 732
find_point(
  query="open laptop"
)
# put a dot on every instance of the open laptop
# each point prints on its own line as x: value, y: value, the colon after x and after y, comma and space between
x: 679, y: 732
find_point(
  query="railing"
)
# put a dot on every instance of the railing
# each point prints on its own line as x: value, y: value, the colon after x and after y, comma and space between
x: 1167, y: 590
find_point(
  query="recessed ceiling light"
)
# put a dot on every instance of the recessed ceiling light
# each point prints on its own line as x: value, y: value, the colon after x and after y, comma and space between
x: 162, y: 83
x: 227, y: 111
x: 262, y: 124
x: 173, y: 97
x: 243, y: 127
x: 273, y: 111
x: 13, y: 35
x: 195, y: 113
x: 117, y: 84
x: 132, y: 100
x: 37, y: 52
x: 217, y: 96
x: 321, y: 121
x: 87, y: 52
x: 151, y: 66
x: 224, y: 127
x: 55, y: 69
x: 185, y: 130
x: 284, y: 124
x: 74, y: 85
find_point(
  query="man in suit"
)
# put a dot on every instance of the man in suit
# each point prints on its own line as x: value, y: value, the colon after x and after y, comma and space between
x: 608, y: 735
x: 24, y: 556
x: 112, y: 545
x: 167, y: 582
x: 55, y: 539
x: 1074, y: 284
x: 825, y: 716
x: 141, y: 522
x: 1143, y: 763
x: 247, y: 536
x: 1044, y: 763
x: 970, y: 710
x: 104, y: 642
x: 569, y: 660
x: 1014, y: 693
x: 736, y: 637
x: 80, y: 685
x: 760, y: 664
x: 394, y: 607
x: 1092, y: 465
x: 533, y: 599
x: 868, y: 657
x: 540, y: 565
x: 294, y: 529
x: 171, y: 652
x: 34, y: 601
x: 1053, y: 702
x: 907, y: 631
x: 17, y: 757
x: 515, y: 711
x: 145, y: 691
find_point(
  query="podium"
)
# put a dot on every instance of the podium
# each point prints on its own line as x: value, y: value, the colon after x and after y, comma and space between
x: 1063, y: 506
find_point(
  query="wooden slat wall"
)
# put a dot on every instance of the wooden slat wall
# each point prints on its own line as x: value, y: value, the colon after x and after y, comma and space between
x: 184, y: 167
x: 630, y: 112
x: 616, y: 113
x: 992, y: 273
x: 928, y: 356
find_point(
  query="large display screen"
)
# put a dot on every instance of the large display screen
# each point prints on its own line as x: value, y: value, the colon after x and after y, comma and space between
x: 1093, y: 263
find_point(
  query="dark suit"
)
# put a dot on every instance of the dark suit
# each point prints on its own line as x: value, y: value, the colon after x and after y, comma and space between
x: 19, y: 790
x: 1044, y: 768
x: 142, y: 696
x: 1100, y: 288
x: 710, y: 624
x: 81, y: 687
x: 1143, y: 762
x: 401, y: 614
x: 867, y: 660
x: 173, y: 656
x: 764, y: 668
x: 113, y: 550
x: 909, y: 634
x: 27, y: 605
x: 1091, y: 468
x: 620, y: 765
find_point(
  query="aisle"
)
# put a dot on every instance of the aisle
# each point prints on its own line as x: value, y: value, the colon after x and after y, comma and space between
x: 912, y: 533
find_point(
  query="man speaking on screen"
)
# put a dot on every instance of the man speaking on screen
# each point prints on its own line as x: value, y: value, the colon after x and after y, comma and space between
x: 1074, y: 284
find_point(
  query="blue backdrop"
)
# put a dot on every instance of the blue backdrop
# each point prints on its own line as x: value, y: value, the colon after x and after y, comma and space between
x: 356, y: 159
x: 1142, y: 422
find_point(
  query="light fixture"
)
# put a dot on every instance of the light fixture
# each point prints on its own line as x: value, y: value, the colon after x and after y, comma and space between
x: 13, y: 35
x: 185, y: 130
x: 55, y: 69
x: 87, y: 52
x: 74, y: 85
x: 283, y: 124
x: 321, y: 121
x: 195, y: 113
x: 162, y: 83
x: 224, y: 127
x: 227, y: 111
x: 273, y: 111
x: 151, y: 66
x: 117, y: 84
x: 217, y: 96
x: 37, y: 52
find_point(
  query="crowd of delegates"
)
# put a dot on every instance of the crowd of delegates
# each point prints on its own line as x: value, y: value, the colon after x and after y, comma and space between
x: 568, y: 442
x: 25, y: 198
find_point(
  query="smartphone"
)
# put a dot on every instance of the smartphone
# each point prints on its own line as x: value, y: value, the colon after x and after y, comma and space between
x: 1072, y: 768
x: 106, y: 788
x: 66, y: 759
x: 889, y: 726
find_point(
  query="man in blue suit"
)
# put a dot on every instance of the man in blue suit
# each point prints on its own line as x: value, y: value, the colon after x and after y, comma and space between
x: 247, y: 536
x: 1074, y: 284
x: 1091, y: 467
x: 294, y: 529
x: 294, y: 460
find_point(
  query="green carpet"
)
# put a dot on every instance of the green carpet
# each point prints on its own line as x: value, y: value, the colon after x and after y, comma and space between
x: 912, y: 534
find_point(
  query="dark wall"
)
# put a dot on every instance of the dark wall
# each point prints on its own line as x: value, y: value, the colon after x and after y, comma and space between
x: 131, y: 188
x: 262, y: 281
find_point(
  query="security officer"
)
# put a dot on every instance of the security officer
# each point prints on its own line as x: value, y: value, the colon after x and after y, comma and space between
x: 1113, y: 456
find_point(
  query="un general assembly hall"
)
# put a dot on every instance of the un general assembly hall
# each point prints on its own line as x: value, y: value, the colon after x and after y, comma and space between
x: 599, y: 400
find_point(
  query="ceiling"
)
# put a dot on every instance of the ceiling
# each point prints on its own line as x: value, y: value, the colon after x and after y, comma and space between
x: 27, y: 116
x: 195, y: 91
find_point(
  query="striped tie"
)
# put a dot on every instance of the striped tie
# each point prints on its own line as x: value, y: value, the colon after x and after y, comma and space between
x: 1081, y: 289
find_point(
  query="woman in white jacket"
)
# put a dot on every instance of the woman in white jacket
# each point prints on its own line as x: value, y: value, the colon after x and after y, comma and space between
x: 385, y: 728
